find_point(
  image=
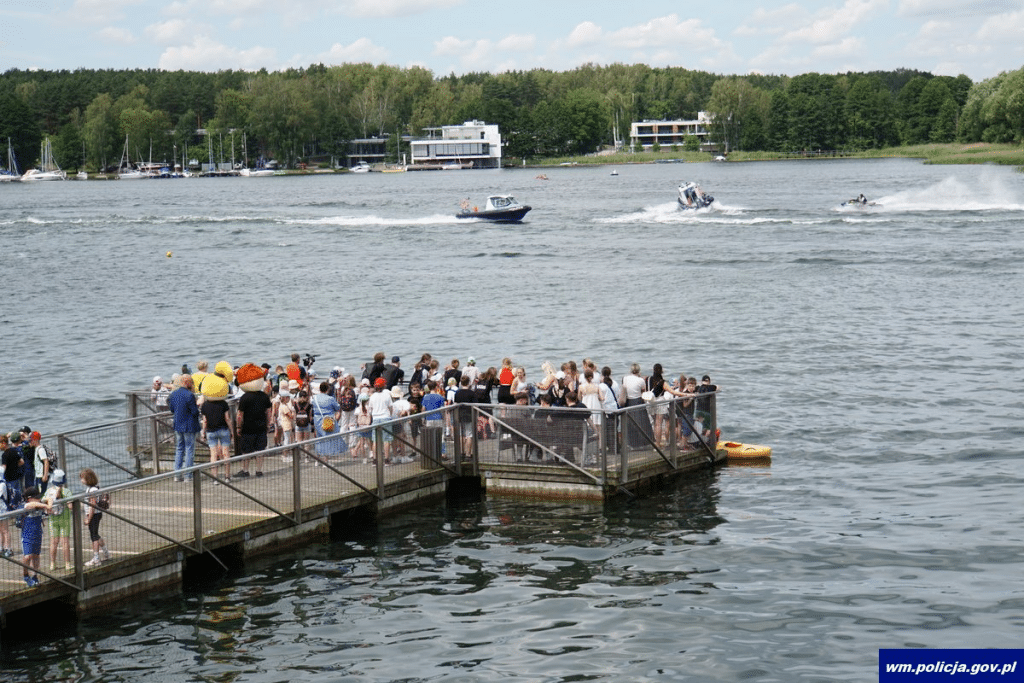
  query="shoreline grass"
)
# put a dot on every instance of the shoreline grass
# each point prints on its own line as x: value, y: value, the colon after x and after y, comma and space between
x: 1006, y: 154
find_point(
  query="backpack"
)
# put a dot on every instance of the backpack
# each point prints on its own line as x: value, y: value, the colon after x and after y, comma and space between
x: 51, y: 457
x: 348, y: 400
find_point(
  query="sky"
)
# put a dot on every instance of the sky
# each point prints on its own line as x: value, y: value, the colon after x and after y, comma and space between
x: 979, y: 38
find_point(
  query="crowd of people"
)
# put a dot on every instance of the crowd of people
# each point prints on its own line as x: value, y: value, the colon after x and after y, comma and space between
x: 34, y: 484
x: 289, y: 403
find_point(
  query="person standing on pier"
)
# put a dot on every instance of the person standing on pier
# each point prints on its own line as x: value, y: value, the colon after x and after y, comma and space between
x: 505, y: 377
x: 32, y: 534
x: 159, y: 395
x: 7, y: 503
x: 216, y: 415
x: 14, y: 471
x: 296, y: 372
x: 182, y: 402
x: 253, y: 416
x: 93, y: 517
x: 393, y: 373
x: 28, y: 472
x: 380, y: 405
x: 60, y: 520
x: 464, y: 414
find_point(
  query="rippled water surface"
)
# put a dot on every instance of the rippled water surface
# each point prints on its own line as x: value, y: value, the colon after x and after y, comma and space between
x: 876, y: 351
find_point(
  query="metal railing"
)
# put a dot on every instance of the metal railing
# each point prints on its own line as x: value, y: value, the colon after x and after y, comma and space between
x: 151, y: 510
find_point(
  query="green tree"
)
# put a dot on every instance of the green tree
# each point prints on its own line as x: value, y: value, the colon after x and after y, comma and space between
x: 584, y: 121
x: 100, y: 131
x: 734, y: 105
x: 17, y: 124
x: 67, y: 147
x: 777, y: 133
x: 868, y: 114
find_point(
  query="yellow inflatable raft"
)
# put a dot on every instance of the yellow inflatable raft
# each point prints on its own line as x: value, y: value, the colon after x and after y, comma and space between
x: 745, y: 450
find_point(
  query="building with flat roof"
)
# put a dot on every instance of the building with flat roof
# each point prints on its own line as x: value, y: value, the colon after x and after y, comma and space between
x: 473, y: 144
x: 645, y: 134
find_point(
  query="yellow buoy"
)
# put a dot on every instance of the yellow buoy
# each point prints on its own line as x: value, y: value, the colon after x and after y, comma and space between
x: 745, y: 450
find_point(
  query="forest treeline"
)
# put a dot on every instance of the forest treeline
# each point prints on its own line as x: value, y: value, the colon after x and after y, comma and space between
x: 313, y: 113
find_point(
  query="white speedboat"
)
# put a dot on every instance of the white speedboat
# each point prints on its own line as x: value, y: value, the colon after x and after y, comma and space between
x: 256, y: 172
x: 691, y: 196
x: 500, y: 208
x: 361, y: 167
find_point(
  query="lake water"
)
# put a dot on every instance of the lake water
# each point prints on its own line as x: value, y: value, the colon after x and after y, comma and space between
x: 876, y: 351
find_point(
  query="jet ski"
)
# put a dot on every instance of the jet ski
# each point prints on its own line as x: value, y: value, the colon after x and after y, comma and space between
x: 859, y: 202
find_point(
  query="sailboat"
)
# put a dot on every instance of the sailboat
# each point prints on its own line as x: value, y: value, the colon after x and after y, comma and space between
x: 10, y: 174
x: 125, y: 170
x: 82, y: 173
x: 261, y: 170
x: 48, y: 168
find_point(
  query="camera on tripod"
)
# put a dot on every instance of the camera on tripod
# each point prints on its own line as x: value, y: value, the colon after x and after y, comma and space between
x: 309, y: 360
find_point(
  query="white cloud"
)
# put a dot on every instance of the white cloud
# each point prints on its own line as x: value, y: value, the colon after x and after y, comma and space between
x: 1005, y: 27
x: 116, y: 35
x: 587, y: 33
x: 517, y: 43
x: 361, y: 50
x: 450, y: 45
x: 101, y: 11
x: 955, y: 8
x: 393, y: 8
x: 847, y: 47
x: 773, y: 21
x: 664, y: 32
x: 205, y: 54
x: 169, y: 32
x: 833, y: 23
x: 484, y: 54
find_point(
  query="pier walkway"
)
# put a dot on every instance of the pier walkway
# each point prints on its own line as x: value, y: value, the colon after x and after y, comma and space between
x: 158, y: 530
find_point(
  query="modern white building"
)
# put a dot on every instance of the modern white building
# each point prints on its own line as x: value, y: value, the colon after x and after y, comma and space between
x: 646, y: 134
x: 473, y: 144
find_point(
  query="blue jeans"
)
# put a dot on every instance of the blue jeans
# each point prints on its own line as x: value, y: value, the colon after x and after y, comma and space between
x: 184, y: 450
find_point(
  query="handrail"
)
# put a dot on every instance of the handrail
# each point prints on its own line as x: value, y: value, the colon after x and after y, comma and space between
x: 110, y: 437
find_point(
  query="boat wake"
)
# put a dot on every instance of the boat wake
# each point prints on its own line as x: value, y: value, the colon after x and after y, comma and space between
x: 671, y: 213
x: 361, y: 221
x: 951, y: 194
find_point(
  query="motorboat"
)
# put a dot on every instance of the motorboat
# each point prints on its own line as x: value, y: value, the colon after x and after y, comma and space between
x: 257, y: 172
x: 361, y: 167
x: 500, y: 208
x: 691, y: 196
x: 859, y: 202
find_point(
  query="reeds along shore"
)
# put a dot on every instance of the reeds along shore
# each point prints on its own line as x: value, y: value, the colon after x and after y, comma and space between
x: 1005, y: 154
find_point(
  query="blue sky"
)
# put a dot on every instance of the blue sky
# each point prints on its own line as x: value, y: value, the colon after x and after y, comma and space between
x: 979, y: 38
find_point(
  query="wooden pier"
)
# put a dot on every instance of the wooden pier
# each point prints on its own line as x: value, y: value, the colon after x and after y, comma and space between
x: 161, y: 531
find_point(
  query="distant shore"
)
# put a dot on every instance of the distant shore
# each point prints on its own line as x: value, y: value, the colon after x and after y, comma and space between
x: 937, y: 153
